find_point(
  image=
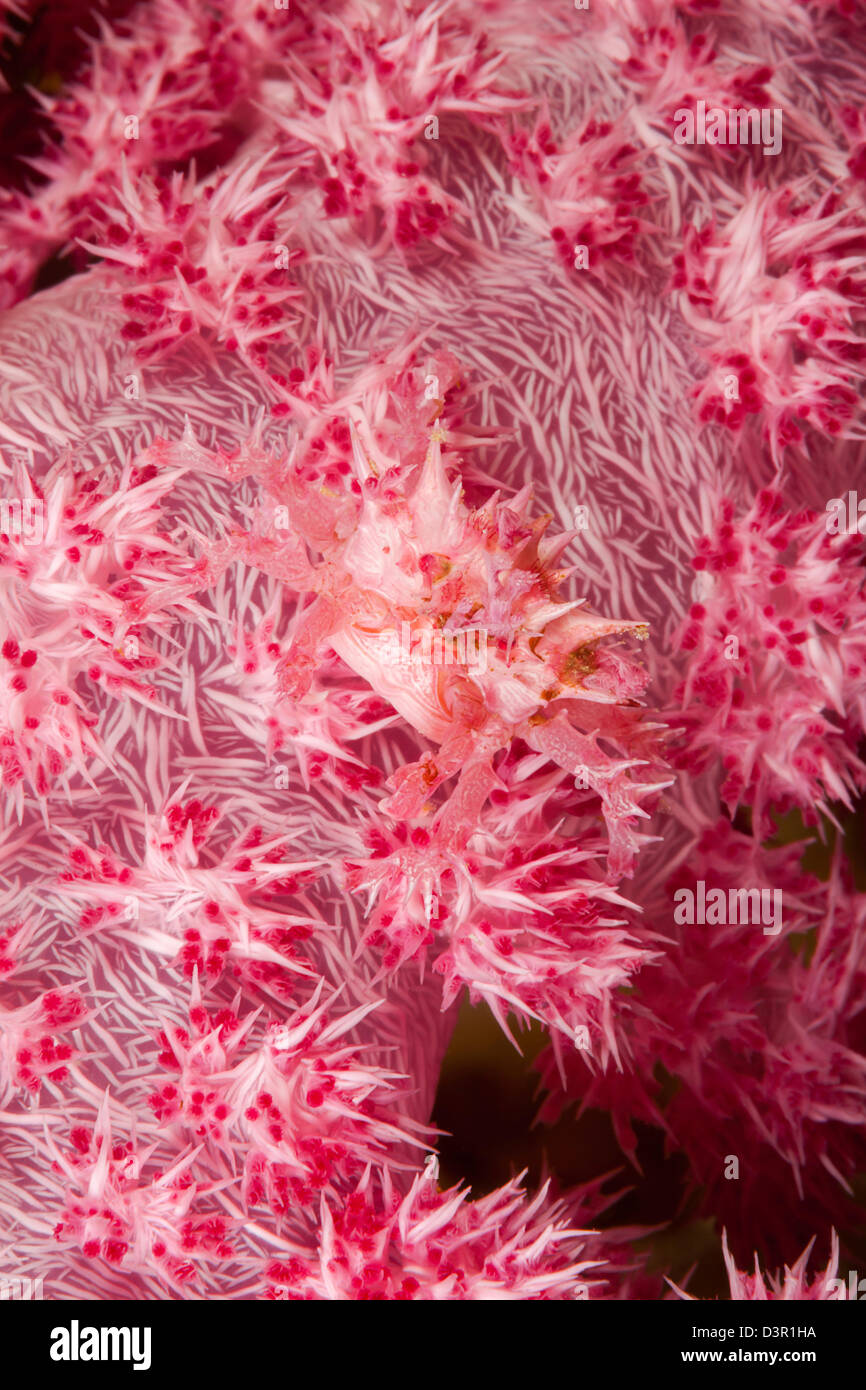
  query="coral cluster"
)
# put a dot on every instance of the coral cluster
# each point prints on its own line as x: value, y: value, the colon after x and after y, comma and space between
x: 423, y: 580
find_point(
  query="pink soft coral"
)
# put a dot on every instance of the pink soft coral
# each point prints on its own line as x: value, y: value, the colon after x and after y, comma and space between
x: 741, y: 1026
x: 243, y: 514
x: 776, y: 667
x: 794, y: 1284
x: 778, y: 295
x: 436, y: 1245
